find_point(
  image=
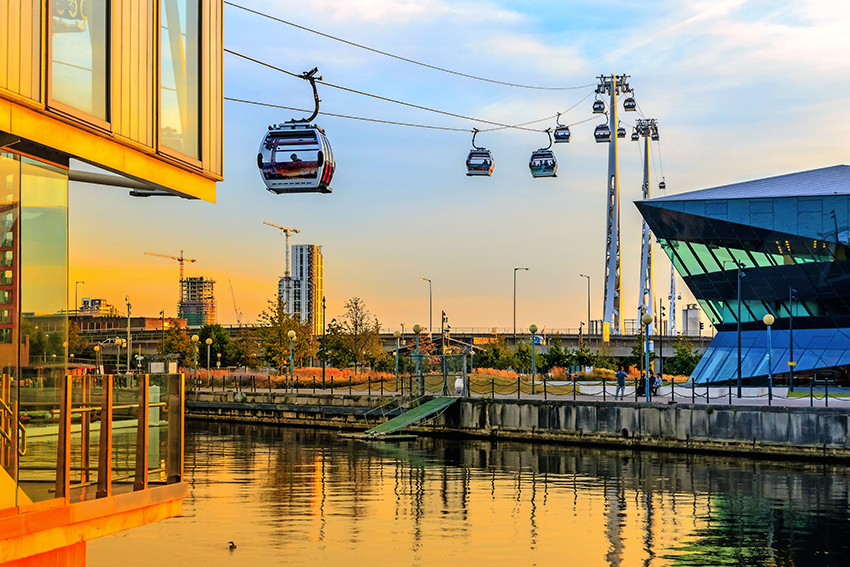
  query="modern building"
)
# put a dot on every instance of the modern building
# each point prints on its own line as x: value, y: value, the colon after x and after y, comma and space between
x: 307, y: 285
x: 783, y: 242
x: 132, y: 88
x: 690, y: 320
x: 97, y: 308
x: 197, y: 301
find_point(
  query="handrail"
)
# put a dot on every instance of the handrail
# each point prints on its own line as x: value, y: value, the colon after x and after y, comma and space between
x: 23, y: 435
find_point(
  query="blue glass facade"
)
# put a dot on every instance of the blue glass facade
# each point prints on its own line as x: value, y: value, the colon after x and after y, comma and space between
x: 789, y: 235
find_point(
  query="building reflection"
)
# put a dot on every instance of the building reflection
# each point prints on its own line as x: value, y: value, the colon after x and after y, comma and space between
x: 429, y: 498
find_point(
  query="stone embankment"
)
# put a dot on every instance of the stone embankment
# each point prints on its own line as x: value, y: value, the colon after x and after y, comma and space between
x: 777, y: 431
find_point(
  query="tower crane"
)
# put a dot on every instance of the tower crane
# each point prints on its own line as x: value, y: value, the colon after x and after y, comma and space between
x: 286, y: 277
x: 235, y: 308
x: 180, y: 259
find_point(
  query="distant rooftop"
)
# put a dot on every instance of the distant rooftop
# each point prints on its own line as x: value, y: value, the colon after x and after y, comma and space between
x: 834, y: 180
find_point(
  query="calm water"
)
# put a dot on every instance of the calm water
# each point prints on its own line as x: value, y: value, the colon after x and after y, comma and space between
x: 296, y: 497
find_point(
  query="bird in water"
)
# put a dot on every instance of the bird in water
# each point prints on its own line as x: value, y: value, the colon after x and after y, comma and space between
x: 232, y: 546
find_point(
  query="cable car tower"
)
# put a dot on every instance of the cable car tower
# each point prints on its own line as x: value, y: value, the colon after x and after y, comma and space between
x: 647, y: 129
x: 613, y: 85
x: 286, y: 277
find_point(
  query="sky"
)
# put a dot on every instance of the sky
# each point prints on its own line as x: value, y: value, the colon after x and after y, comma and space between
x: 740, y: 89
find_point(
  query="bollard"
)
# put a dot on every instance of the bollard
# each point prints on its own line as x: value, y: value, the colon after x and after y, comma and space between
x: 493, y: 388
x: 314, y: 384
x: 693, y: 391
x: 382, y: 387
x: 518, y: 389
x: 270, y: 385
x: 603, y: 387
x: 826, y: 393
x: 545, y: 395
x: 369, y: 380
x: 349, y: 385
x: 574, y: 387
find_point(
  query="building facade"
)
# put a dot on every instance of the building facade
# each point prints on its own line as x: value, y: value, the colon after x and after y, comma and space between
x: 197, y: 302
x: 307, y: 285
x: 132, y: 88
x: 783, y: 242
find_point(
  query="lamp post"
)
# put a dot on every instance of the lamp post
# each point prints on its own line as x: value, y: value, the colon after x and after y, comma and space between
x: 208, y: 343
x: 97, y: 358
x: 118, y: 356
x: 396, y: 334
x: 647, y: 321
x: 77, y: 305
x: 588, y: 309
x: 740, y: 273
x: 162, y: 327
x: 430, y: 305
x: 195, y: 340
x: 791, y: 363
x: 324, y: 344
x: 416, y: 330
x: 218, y: 361
x: 768, y: 320
x: 532, y: 329
x: 515, y: 271
x: 291, y: 335
x: 129, y: 343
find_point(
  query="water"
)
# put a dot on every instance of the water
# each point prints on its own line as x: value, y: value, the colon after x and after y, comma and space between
x: 298, y: 497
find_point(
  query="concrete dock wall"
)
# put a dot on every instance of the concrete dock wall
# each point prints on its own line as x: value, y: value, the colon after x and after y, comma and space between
x: 799, y: 432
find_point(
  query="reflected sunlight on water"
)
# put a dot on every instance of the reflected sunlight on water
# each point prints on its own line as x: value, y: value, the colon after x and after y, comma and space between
x: 297, y: 497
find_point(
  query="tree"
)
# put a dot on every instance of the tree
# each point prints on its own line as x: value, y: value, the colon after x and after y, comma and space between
x: 637, y: 358
x: 177, y: 342
x: 685, y: 359
x: 336, y: 349
x: 221, y: 343
x: 274, y: 339
x: 245, y: 349
x: 362, y: 332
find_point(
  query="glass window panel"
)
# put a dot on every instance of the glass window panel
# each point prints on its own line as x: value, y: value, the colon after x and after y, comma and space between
x: 809, y: 359
x: 751, y: 360
x: 706, y: 260
x: 179, y: 88
x: 79, y: 61
x: 714, y: 358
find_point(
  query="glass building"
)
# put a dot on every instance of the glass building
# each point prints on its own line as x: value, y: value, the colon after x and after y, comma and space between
x: 786, y: 238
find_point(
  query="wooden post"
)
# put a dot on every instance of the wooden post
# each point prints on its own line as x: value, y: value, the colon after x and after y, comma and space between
x: 176, y: 403
x: 63, y: 456
x: 85, y: 430
x: 141, y: 482
x: 104, y: 459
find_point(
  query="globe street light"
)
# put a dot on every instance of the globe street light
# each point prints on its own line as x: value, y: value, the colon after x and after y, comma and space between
x: 97, y: 358
x: 396, y: 334
x: 430, y: 305
x: 647, y: 321
x: 195, y: 339
x: 208, y: 342
x: 532, y: 329
x: 416, y: 330
x: 291, y: 335
x: 769, y: 320
x: 515, y: 271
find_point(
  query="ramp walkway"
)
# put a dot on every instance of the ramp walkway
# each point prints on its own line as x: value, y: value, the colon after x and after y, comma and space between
x: 411, y: 416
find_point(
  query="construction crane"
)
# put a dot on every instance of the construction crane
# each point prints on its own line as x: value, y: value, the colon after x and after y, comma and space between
x: 180, y: 259
x: 235, y: 308
x: 286, y: 278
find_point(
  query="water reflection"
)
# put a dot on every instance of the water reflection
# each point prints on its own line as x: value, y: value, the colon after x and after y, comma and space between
x: 297, y: 497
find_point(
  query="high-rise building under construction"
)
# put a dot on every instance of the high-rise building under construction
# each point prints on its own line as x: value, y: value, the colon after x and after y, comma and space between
x: 197, y: 301
x: 307, y: 285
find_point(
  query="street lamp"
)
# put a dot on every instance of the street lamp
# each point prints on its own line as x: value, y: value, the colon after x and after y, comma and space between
x: 77, y: 305
x: 430, y: 305
x: 218, y: 362
x: 740, y: 271
x: 588, y: 309
x: 324, y: 344
x: 396, y: 334
x: 195, y: 340
x: 647, y: 321
x: 768, y: 320
x: 416, y: 330
x: 208, y: 343
x: 97, y: 358
x: 515, y: 271
x: 532, y: 329
x: 291, y: 335
x: 791, y: 363
x: 118, y: 356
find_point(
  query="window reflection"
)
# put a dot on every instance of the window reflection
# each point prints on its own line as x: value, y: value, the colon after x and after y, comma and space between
x: 79, y: 62
x: 180, y: 77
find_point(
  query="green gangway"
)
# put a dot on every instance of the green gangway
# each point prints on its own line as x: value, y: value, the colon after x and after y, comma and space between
x: 410, y: 417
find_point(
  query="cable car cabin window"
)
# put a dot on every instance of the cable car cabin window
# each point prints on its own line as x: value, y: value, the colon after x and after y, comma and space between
x: 562, y: 134
x: 479, y: 163
x: 296, y: 160
x: 543, y: 164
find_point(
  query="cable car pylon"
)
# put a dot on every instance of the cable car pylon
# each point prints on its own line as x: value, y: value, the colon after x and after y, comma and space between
x: 646, y: 300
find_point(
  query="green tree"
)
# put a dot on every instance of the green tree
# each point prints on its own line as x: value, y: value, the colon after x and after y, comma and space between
x: 221, y: 343
x: 245, y: 349
x: 361, y: 331
x: 636, y: 358
x: 336, y: 348
x: 177, y: 342
x: 276, y: 324
x: 685, y: 359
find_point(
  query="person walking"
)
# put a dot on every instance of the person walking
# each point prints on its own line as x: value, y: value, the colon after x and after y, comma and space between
x: 621, y: 384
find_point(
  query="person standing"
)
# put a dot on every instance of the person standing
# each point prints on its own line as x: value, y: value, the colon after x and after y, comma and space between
x: 621, y: 384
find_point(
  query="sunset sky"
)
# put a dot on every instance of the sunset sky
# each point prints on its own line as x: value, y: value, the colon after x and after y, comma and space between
x: 741, y: 90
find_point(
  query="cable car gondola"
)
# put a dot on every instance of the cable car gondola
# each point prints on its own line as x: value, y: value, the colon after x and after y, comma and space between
x: 621, y: 132
x: 598, y: 106
x: 635, y: 136
x: 662, y: 185
x: 629, y: 104
x: 480, y: 160
x: 654, y: 136
x: 295, y: 156
x: 602, y: 133
x: 543, y: 162
x: 562, y: 133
